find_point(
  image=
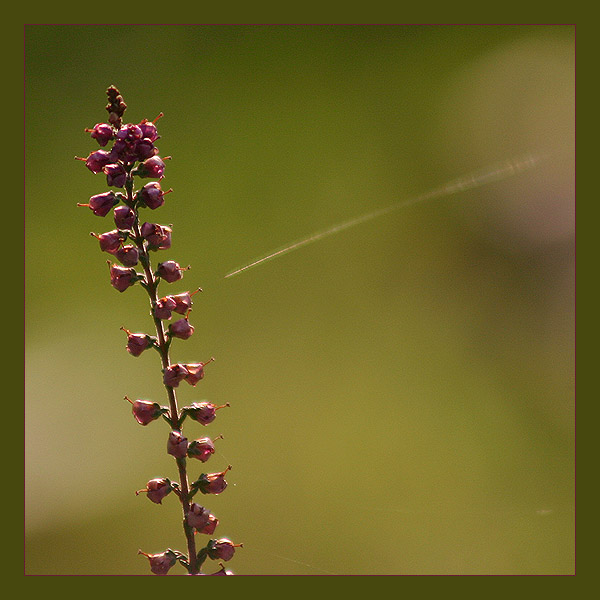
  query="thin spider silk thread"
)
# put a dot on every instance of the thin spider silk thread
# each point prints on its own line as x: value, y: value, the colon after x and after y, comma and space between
x: 495, y: 172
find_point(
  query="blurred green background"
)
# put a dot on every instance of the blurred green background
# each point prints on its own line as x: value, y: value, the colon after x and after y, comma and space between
x: 402, y: 393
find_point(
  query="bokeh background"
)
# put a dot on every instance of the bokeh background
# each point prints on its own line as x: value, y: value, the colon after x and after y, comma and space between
x: 402, y: 393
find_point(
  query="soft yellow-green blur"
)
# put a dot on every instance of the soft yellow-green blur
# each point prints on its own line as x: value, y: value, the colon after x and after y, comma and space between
x: 402, y: 393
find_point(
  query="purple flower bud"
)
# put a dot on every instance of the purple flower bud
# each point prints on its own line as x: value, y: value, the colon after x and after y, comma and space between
x: 198, y: 516
x: 129, y: 133
x: 181, y: 329
x: 153, y: 167
x: 170, y: 271
x: 157, y: 236
x: 100, y: 204
x: 145, y: 411
x: 203, y: 412
x: 152, y: 195
x: 183, y: 302
x: 124, y: 217
x: 211, y: 483
x: 157, y: 489
x: 137, y: 342
x: 196, y: 372
x: 210, y: 527
x: 149, y: 129
x: 222, y: 549
x: 202, y: 449
x: 115, y: 175
x: 121, y: 278
x: 102, y: 133
x: 109, y: 241
x: 174, y: 374
x: 96, y: 161
x: 163, y: 307
x: 119, y: 151
x: 128, y: 255
x: 177, y: 445
x: 161, y: 563
x: 221, y: 571
x: 144, y: 149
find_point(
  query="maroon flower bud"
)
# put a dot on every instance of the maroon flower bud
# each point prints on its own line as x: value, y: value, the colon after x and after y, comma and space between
x: 161, y: 563
x: 115, y: 175
x: 145, y: 411
x: 144, y: 149
x: 157, y: 489
x: 128, y: 255
x: 196, y: 372
x: 203, y: 412
x: 174, y: 374
x: 177, y: 445
x: 137, y: 342
x: 149, y: 129
x: 170, y: 271
x: 121, y: 278
x: 152, y: 195
x: 157, y: 236
x: 96, y: 161
x: 202, y: 449
x: 211, y: 483
x: 222, y: 549
x: 124, y: 217
x: 100, y: 204
x: 119, y: 151
x: 181, y: 329
x: 109, y: 241
x: 163, y: 307
x: 222, y: 571
x: 184, y: 301
x: 210, y: 527
x: 129, y: 133
x: 153, y: 167
x: 198, y: 516
x: 102, y: 133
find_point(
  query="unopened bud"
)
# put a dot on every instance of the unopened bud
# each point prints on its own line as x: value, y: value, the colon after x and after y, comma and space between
x: 100, y: 204
x: 109, y: 241
x: 181, y: 329
x: 115, y: 175
x: 157, y: 236
x: 198, y: 517
x: 121, y: 278
x: 203, y: 412
x: 212, y: 483
x: 174, y: 374
x: 102, y: 133
x: 157, y: 489
x: 163, y: 307
x: 145, y: 411
x: 160, y: 564
x: 177, y: 445
x: 222, y: 549
x: 128, y: 255
x: 202, y: 449
x: 124, y: 217
x: 137, y: 342
x: 196, y: 371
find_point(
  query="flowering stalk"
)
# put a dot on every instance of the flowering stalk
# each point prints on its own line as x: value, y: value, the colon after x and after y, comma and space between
x: 133, y: 154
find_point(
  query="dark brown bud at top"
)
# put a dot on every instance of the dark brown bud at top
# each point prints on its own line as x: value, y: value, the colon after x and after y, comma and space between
x: 115, y: 107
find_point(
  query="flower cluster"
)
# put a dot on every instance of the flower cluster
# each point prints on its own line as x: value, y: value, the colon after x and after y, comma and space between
x: 129, y: 151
